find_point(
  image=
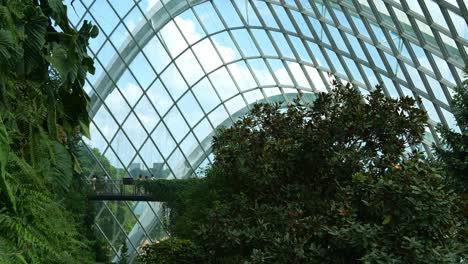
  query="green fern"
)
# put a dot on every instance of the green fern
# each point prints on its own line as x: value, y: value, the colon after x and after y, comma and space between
x: 36, y: 166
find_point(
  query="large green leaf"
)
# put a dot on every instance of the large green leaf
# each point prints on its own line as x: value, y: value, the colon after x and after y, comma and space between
x: 4, y: 153
x: 59, y: 13
x: 63, y: 61
x: 7, y: 46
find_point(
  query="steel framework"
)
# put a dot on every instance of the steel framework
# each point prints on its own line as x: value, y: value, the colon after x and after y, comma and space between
x: 169, y: 72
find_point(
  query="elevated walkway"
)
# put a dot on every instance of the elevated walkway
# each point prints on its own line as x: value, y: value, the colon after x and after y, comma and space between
x: 126, y: 189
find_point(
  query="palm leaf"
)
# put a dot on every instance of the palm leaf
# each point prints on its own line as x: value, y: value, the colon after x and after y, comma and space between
x: 7, y: 47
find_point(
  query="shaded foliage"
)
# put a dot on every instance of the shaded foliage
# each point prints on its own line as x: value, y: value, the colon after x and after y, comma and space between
x: 172, y: 250
x: 453, y: 154
x: 42, y: 108
x: 330, y: 182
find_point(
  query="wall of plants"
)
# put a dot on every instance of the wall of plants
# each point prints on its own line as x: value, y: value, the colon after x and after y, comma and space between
x: 44, y: 216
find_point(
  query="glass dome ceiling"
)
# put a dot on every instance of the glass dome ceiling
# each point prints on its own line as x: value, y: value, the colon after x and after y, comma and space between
x: 169, y: 72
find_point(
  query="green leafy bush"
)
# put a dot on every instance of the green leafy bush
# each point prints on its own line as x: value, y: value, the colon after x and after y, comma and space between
x: 327, y: 183
x: 172, y: 251
x: 453, y: 153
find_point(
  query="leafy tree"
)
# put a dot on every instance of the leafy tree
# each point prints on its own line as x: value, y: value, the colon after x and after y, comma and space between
x: 172, y: 250
x: 454, y: 150
x: 42, y: 107
x: 330, y: 182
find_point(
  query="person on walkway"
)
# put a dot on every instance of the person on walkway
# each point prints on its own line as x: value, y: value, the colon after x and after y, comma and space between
x: 93, y: 182
x: 139, y: 183
x: 106, y: 181
x: 152, y: 177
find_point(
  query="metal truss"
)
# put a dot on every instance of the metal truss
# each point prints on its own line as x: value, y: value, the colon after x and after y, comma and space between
x: 168, y: 74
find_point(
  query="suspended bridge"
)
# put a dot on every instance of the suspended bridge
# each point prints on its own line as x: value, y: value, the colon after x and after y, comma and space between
x: 126, y: 189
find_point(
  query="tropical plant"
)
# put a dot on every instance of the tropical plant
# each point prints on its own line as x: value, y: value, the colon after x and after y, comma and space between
x: 172, y: 250
x: 453, y: 153
x: 331, y: 182
x: 43, y: 65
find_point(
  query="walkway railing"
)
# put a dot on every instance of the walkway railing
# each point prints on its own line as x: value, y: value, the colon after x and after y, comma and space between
x: 126, y: 189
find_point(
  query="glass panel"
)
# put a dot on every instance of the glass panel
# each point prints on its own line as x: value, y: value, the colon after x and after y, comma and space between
x: 235, y: 104
x: 218, y: 116
x: 190, y: 109
x: 117, y: 105
x: 226, y: 47
x: 176, y: 124
x: 208, y: 17
x: 316, y: 79
x: 245, y: 42
x: 162, y: 138
x: 304, y: 28
x: 133, y: 127
x: 146, y: 113
x: 300, y: 49
x: 159, y: 97
x: 282, y: 44
x: 261, y: 71
x: 283, y: 17
x: 247, y: 13
x: 242, y: 75
x: 173, y: 81
x: 156, y: 54
x: 189, y: 26
x: 223, y: 83
x: 172, y: 39
x: 145, y: 78
x: 189, y: 67
x: 266, y: 14
x: 280, y: 72
x: 209, y: 59
x: 264, y: 42
x: 228, y: 13
x: 206, y: 95
x: 298, y: 74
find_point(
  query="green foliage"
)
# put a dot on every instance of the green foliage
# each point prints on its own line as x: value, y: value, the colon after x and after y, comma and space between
x: 4, y: 152
x: 124, y: 254
x: 187, y: 199
x: 172, y: 250
x: 453, y: 154
x: 405, y: 215
x: 38, y: 221
x: 324, y: 183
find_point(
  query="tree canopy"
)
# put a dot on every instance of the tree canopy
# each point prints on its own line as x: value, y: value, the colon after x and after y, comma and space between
x: 331, y: 182
x: 453, y: 154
